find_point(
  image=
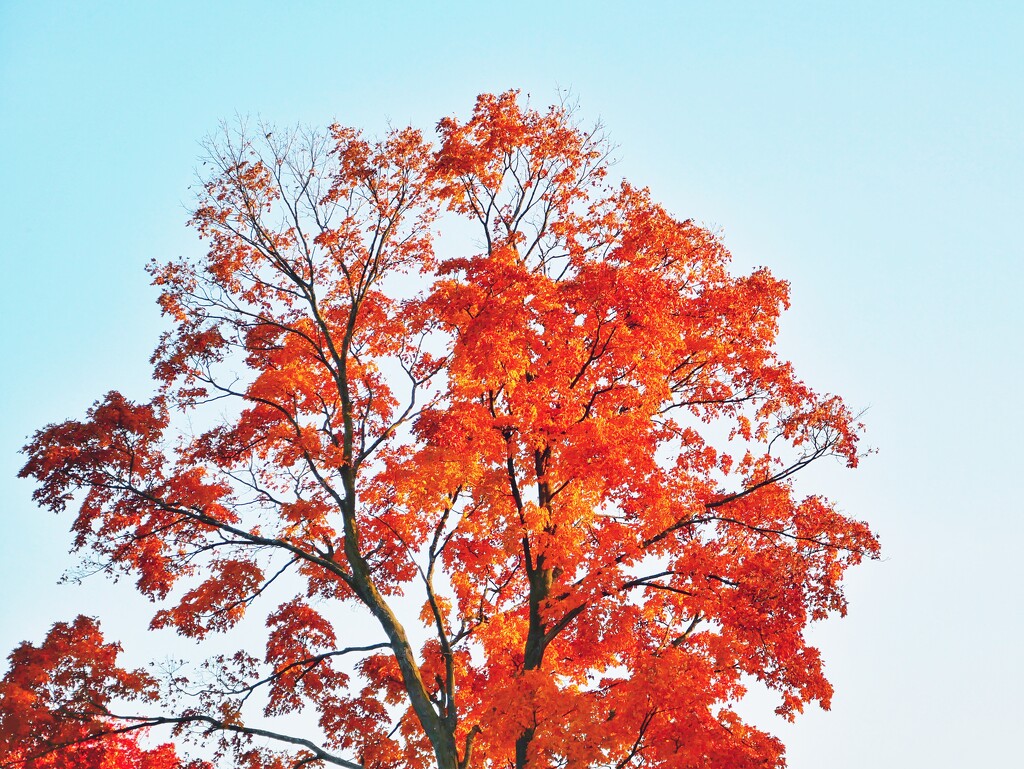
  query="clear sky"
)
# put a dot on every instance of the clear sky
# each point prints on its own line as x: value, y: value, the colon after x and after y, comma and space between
x: 870, y: 152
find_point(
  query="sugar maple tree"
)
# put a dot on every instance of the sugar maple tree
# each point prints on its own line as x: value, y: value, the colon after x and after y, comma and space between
x: 557, y: 480
x: 71, y: 672
x: 114, y: 751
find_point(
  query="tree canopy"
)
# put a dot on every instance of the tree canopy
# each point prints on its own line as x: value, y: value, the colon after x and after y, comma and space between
x: 552, y: 470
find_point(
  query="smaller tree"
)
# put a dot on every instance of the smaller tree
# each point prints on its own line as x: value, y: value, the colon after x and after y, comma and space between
x: 571, y: 451
x: 54, y: 700
x: 113, y: 751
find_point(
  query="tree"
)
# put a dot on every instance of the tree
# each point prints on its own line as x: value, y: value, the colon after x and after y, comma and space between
x: 46, y: 686
x: 113, y: 752
x: 557, y: 479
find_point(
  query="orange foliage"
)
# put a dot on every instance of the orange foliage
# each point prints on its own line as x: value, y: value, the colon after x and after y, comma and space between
x: 557, y: 481
x: 113, y: 752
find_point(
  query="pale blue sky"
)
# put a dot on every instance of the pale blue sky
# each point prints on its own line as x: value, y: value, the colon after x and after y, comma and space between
x: 871, y: 152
